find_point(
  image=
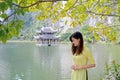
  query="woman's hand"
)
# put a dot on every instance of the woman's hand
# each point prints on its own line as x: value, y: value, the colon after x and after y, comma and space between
x: 75, y: 67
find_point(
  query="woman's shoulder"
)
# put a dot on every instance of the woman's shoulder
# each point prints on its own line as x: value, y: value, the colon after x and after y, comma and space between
x: 86, y: 50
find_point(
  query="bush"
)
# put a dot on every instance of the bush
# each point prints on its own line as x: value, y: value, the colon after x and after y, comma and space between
x: 112, y: 72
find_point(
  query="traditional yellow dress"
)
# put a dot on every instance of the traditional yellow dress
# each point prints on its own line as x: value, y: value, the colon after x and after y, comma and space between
x: 81, y: 60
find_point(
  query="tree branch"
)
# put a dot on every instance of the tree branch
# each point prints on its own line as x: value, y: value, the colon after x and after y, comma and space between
x: 94, y: 4
x: 103, y: 14
x: 115, y: 25
x: 71, y: 6
x: 8, y: 16
x: 36, y: 3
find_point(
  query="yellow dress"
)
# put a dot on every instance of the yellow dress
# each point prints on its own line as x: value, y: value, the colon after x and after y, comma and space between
x: 81, y: 60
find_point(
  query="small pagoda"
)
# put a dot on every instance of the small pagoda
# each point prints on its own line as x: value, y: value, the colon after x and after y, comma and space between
x: 46, y: 36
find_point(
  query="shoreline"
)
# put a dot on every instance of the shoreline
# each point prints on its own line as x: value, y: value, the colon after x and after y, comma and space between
x: 27, y: 41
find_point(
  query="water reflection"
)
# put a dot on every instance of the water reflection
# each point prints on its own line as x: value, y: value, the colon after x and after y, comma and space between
x: 18, y: 77
x: 46, y: 63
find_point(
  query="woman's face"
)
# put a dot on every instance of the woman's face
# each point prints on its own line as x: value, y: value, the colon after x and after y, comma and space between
x: 75, y: 42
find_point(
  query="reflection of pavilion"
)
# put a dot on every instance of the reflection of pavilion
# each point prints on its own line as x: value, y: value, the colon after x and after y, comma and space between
x: 46, y: 36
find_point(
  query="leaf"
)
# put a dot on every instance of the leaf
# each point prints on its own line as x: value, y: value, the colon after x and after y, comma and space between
x: 90, y: 28
x: 80, y: 1
x: 80, y: 9
x: 9, y: 2
x: 96, y: 36
x: 119, y: 18
x: 3, y: 6
x: 107, y: 67
x: 101, y: 79
x: 66, y: 22
x: 3, y: 15
x: 19, y: 11
x: 73, y: 24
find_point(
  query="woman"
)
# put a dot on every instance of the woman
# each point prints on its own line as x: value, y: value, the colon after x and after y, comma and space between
x: 82, y: 58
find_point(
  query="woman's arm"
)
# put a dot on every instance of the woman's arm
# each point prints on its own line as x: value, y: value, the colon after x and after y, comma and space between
x: 86, y: 66
x: 75, y: 67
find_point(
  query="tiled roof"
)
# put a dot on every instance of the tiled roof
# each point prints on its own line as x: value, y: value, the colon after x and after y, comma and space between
x: 46, y: 30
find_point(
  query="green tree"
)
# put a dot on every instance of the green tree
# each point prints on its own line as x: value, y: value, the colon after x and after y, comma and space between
x: 77, y: 10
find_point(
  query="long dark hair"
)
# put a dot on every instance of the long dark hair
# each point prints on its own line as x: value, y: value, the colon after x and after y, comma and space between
x: 77, y: 49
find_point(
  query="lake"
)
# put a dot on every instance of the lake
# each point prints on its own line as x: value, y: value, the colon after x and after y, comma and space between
x: 26, y: 61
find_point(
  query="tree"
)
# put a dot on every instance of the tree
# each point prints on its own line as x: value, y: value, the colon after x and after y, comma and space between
x: 78, y: 10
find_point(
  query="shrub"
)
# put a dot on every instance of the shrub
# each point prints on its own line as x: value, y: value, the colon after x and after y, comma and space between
x: 112, y: 72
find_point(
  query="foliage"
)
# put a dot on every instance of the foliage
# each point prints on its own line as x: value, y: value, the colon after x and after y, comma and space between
x: 88, y: 36
x: 65, y: 37
x: 98, y: 33
x: 78, y: 10
x: 112, y: 72
x: 9, y: 27
x: 102, y: 33
x: 9, y: 30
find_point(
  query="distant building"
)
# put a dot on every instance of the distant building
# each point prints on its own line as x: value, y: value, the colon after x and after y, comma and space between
x: 46, y: 36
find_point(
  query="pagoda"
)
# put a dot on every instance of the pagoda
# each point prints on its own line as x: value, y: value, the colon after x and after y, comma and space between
x: 46, y: 36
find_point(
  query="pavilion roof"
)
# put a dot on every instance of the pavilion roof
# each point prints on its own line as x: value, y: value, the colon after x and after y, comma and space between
x: 46, y: 30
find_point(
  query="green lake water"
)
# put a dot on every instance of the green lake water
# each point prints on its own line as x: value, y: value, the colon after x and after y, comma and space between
x: 26, y: 61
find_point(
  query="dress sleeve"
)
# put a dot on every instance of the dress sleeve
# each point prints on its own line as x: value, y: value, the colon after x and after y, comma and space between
x: 89, y: 56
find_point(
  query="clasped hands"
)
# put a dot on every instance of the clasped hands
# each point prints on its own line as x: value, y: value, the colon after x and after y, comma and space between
x: 75, y: 67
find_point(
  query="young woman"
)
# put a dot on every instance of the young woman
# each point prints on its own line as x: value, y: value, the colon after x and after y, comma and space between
x: 82, y: 58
